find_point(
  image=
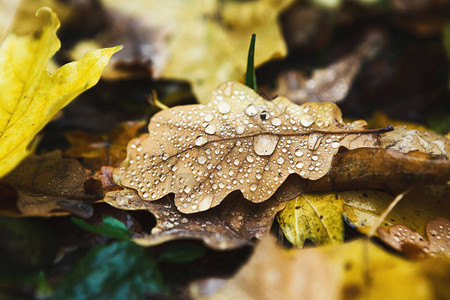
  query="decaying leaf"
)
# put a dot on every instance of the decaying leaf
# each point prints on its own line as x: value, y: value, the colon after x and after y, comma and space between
x: 203, y: 42
x: 407, y: 140
x: 317, y: 217
x: 233, y: 224
x: 103, y: 150
x: 362, y: 208
x: 29, y: 96
x: 331, y: 83
x: 355, y: 270
x: 239, y: 141
x: 50, y: 185
x: 413, y: 244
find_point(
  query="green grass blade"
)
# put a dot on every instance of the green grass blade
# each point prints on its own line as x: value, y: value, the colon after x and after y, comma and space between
x: 250, y: 76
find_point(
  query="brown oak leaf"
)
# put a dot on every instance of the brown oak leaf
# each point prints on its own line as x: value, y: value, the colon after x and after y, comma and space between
x: 49, y: 184
x: 239, y: 141
x: 233, y: 224
x: 413, y: 244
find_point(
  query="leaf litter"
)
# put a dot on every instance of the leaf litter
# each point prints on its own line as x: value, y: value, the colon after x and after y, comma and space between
x: 233, y: 224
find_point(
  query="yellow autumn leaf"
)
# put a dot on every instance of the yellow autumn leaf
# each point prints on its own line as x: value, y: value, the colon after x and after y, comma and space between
x: 317, y: 217
x: 362, y: 208
x: 202, y: 41
x: 29, y: 95
x: 355, y: 270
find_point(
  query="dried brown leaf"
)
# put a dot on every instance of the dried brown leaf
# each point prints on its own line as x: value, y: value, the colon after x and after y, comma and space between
x: 239, y: 141
x: 405, y: 240
x: 331, y: 83
x: 102, y: 150
x: 387, y: 170
x: 231, y: 225
x: 50, y: 185
x: 407, y: 140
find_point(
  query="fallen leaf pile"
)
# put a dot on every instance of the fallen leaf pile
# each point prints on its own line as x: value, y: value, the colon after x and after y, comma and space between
x: 239, y: 141
x: 217, y: 199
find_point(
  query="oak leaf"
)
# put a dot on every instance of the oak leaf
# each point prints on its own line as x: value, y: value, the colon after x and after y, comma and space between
x: 239, y: 141
x: 317, y: 217
x: 403, y: 239
x: 29, y: 96
x: 233, y: 224
x: 49, y: 185
x: 355, y: 270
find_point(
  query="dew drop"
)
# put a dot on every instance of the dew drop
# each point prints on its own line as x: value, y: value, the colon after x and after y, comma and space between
x: 314, y: 141
x: 236, y: 162
x: 314, y: 157
x: 210, y: 129
x: 224, y: 107
x: 258, y: 176
x: 240, y: 129
x: 276, y: 121
x: 251, y: 110
x: 253, y: 187
x: 298, y: 152
x: 201, y: 140
x: 250, y: 159
x: 299, y: 165
x: 335, y: 145
x: 280, y: 160
x: 265, y: 144
x: 306, y: 120
x: 209, y: 118
x: 187, y: 189
x: 201, y: 160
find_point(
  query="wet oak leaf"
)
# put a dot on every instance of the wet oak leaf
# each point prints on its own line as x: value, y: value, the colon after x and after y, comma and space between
x: 362, y: 208
x: 317, y: 217
x: 354, y: 270
x: 49, y: 185
x: 239, y: 141
x: 405, y: 240
x: 233, y: 224
x: 29, y: 95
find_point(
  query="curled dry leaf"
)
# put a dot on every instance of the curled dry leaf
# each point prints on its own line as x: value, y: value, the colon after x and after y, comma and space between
x: 332, y: 272
x: 317, y: 217
x: 407, y: 140
x: 239, y: 141
x: 231, y: 225
x: 331, y: 83
x: 383, y: 169
x: 403, y: 239
x: 50, y: 185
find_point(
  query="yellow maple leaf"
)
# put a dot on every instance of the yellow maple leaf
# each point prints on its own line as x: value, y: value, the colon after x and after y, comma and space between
x: 29, y: 95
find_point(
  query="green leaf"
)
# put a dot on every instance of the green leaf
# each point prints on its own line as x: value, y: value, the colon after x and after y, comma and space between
x: 183, y: 252
x: 116, y: 271
x: 317, y: 217
x: 250, y: 76
x: 110, y: 227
